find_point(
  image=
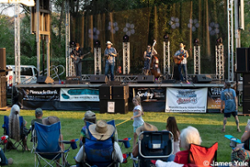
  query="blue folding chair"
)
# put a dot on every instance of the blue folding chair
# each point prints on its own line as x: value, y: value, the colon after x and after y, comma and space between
x: 5, y: 126
x: 153, y: 146
x: 47, y: 148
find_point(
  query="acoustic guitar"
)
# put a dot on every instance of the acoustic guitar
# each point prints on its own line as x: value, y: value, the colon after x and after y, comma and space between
x: 178, y: 59
x: 76, y: 56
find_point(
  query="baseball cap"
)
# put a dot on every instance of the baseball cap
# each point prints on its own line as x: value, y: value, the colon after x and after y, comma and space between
x: 39, y: 111
x: 89, y: 115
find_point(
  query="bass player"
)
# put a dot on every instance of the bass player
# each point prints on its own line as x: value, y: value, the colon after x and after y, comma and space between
x: 148, y: 56
x: 180, y: 58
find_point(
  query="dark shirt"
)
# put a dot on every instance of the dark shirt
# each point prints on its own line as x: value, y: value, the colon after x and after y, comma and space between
x: 36, y: 120
x: 76, y: 54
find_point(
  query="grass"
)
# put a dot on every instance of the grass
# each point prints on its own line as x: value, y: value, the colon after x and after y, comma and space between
x: 209, y: 126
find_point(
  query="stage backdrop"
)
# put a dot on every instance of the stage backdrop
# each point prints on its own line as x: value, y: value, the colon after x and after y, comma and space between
x: 186, y: 100
x: 213, y: 100
x: 82, y: 94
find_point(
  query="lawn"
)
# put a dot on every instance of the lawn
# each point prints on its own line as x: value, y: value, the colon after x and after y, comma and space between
x: 209, y: 126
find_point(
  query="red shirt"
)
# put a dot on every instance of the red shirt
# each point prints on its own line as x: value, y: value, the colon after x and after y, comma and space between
x: 181, y: 157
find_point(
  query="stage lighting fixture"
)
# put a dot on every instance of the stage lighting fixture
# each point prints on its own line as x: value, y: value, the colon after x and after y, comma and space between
x: 125, y: 38
x: 97, y: 44
x: 196, y: 42
x: 219, y: 41
x: 166, y: 37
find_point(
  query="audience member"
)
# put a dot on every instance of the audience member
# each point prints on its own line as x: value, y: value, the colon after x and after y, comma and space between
x: 173, y: 128
x: 3, y: 160
x: 137, y: 116
x: 144, y: 127
x: 88, y: 117
x: 101, y: 131
x: 14, y: 127
x: 39, y: 116
x: 189, y: 135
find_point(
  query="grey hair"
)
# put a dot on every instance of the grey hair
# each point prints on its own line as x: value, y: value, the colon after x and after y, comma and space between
x: 14, y: 127
x: 189, y: 135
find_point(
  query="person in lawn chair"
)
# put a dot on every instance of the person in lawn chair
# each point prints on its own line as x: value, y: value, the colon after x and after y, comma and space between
x: 99, y: 149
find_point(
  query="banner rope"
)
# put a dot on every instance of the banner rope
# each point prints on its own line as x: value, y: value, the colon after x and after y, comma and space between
x: 123, y: 122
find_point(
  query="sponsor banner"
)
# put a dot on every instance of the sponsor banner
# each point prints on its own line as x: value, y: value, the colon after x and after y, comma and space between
x: 41, y: 94
x: 150, y: 94
x: 213, y: 99
x: 79, y: 94
x: 186, y: 100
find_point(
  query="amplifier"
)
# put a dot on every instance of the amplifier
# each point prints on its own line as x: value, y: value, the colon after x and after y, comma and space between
x: 120, y: 92
x: 44, y: 80
x: 98, y: 79
x: 105, y: 92
x: 73, y: 80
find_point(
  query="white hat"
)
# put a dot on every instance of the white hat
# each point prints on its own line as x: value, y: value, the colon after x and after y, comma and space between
x: 109, y: 43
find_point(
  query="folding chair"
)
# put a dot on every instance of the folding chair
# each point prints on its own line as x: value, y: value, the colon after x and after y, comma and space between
x: 5, y: 126
x: 100, y: 148
x: 47, y: 148
x: 153, y: 146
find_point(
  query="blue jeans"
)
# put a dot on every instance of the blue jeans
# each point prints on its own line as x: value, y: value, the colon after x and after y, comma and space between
x: 171, y: 158
x: 110, y: 66
x: 78, y: 69
x: 4, y: 160
x: 184, y: 68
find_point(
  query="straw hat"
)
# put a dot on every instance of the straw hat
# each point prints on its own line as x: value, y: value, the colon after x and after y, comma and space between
x: 109, y: 43
x: 146, y: 127
x: 101, y: 130
x: 50, y: 120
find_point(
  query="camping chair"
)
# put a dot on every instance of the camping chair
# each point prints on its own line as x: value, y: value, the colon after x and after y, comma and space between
x: 153, y: 146
x: 47, y: 148
x: 5, y: 126
x: 199, y: 154
x: 100, y: 148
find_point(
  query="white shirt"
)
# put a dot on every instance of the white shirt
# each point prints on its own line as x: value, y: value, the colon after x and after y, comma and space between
x: 138, y: 121
x: 79, y: 156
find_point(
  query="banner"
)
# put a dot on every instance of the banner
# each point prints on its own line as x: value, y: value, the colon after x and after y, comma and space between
x: 81, y: 94
x: 186, y: 100
x: 41, y: 94
x: 213, y: 100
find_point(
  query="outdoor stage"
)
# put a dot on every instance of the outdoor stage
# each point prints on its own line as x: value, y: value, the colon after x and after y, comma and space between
x: 82, y: 97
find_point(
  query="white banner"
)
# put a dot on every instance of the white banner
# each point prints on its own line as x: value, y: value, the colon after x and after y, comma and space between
x: 81, y: 94
x: 186, y: 100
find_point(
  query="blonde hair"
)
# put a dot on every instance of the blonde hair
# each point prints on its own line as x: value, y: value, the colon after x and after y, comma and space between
x: 139, y: 102
x: 14, y: 127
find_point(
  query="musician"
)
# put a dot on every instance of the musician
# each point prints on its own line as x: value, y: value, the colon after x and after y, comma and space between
x: 147, y: 57
x: 110, y: 54
x: 183, y: 64
x: 77, y: 59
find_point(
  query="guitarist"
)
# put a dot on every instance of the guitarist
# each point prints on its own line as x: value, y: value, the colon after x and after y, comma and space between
x: 182, y: 55
x: 77, y: 59
x: 110, y: 54
x: 147, y: 57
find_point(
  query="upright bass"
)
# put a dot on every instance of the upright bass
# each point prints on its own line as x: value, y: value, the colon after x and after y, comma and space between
x: 154, y: 63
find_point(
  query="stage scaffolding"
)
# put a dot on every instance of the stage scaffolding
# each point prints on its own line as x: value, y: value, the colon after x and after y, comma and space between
x: 219, y: 57
x: 230, y: 40
x: 197, y: 60
x: 126, y: 57
x: 166, y: 58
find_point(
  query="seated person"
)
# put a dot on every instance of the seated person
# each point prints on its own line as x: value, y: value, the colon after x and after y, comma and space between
x: 144, y: 127
x: 3, y: 160
x: 14, y: 127
x: 89, y: 117
x: 189, y: 135
x: 49, y: 121
x: 39, y: 116
x: 101, y: 131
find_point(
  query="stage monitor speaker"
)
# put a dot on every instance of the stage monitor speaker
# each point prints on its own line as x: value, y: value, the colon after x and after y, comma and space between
x: 105, y: 92
x: 146, y: 79
x: 2, y: 59
x: 169, y: 81
x: 201, y: 78
x: 98, y: 79
x: 44, y: 80
x: 120, y: 92
x: 243, y: 60
x: 73, y: 80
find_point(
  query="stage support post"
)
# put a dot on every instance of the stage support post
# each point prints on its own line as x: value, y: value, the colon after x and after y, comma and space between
x: 197, y: 60
x: 166, y: 58
x: 17, y: 44
x: 97, y: 61
x: 126, y: 57
x: 67, y: 41
x: 219, y: 56
x: 230, y: 40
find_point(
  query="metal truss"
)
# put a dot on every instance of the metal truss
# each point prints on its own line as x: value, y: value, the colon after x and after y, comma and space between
x: 230, y: 41
x: 97, y: 61
x: 166, y: 58
x: 126, y: 57
x: 69, y: 64
x: 17, y: 44
x: 219, y: 57
x: 197, y: 60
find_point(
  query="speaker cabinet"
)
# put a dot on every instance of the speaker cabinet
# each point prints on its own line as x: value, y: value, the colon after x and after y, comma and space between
x: 146, y: 79
x: 243, y: 58
x: 73, y: 80
x: 105, y: 92
x: 98, y: 79
x: 202, y: 78
x: 2, y: 59
x: 246, y: 107
x: 121, y: 106
x: 120, y: 92
x: 44, y: 80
